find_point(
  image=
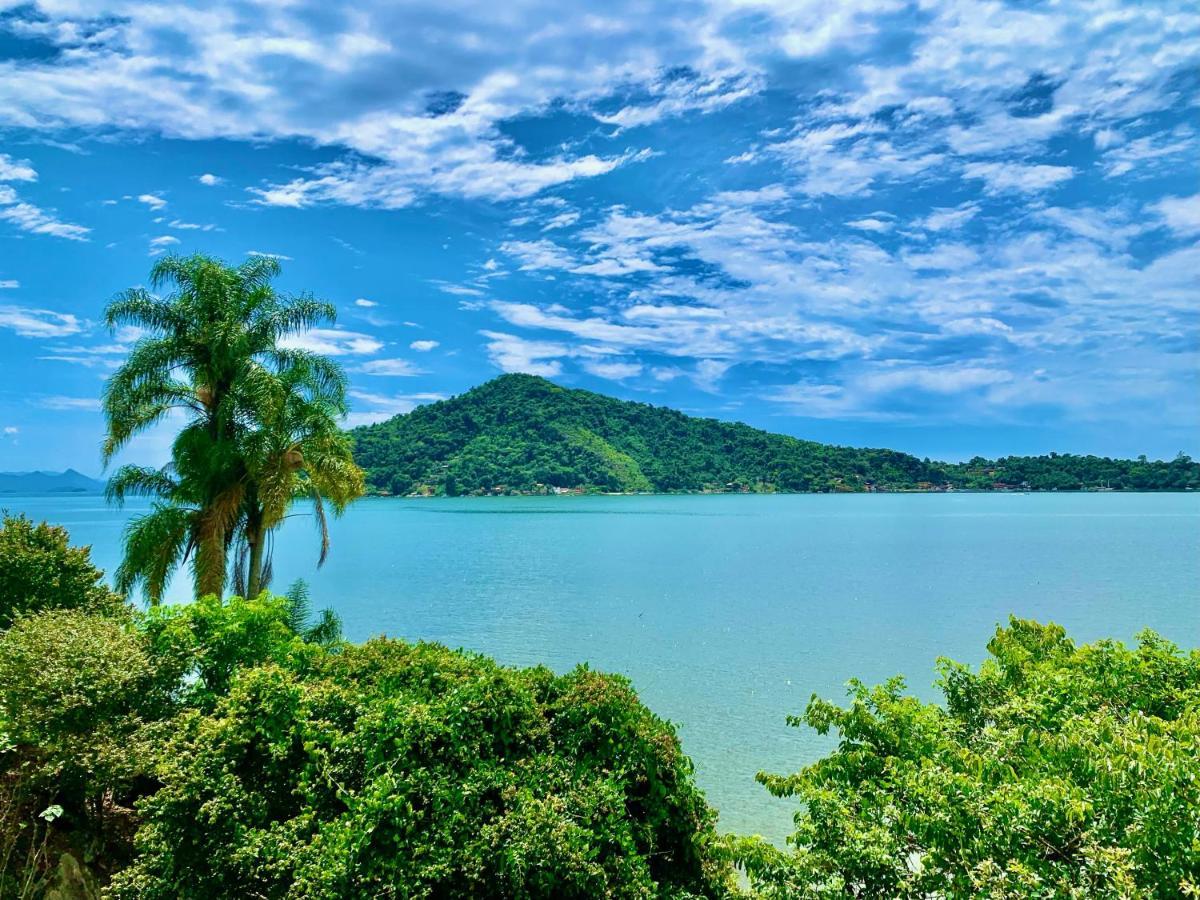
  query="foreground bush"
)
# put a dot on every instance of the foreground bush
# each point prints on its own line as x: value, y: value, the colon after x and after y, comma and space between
x: 81, y: 701
x: 1053, y: 771
x: 392, y: 770
x: 40, y: 570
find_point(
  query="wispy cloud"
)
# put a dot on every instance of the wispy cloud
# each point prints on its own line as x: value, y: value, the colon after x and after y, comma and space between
x: 334, y: 342
x: 16, y: 170
x: 370, y: 408
x: 393, y: 367
x: 64, y: 404
x: 1182, y: 214
x: 38, y: 323
x: 1012, y: 176
x: 35, y: 220
x: 154, y: 201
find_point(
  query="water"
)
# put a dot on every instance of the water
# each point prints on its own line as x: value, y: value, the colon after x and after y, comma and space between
x: 729, y: 612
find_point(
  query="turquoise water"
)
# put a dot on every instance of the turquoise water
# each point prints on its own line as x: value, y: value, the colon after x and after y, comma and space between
x: 728, y: 612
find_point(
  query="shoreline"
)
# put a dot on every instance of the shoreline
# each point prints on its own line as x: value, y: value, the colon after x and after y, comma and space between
x: 591, y: 493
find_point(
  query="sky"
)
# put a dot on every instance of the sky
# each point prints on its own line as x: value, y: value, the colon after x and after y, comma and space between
x: 950, y: 227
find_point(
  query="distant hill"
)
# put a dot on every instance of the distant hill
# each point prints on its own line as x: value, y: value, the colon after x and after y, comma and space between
x: 68, y: 482
x: 524, y: 434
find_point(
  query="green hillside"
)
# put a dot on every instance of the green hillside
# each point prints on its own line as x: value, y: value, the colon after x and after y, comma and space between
x: 520, y: 433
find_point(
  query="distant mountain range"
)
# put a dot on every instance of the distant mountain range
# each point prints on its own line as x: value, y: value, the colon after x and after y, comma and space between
x: 68, y: 482
x: 524, y: 434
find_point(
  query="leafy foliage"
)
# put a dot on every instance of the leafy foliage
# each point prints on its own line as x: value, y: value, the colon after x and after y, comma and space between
x: 520, y: 433
x: 39, y: 570
x: 397, y: 770
x: 1052, y: 771
x: 81, y: 698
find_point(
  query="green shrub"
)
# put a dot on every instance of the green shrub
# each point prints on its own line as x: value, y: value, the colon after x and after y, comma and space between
x: 394, y: 770
x: 81, y: 707
x: 210, y: 639
x: 75, y: 690
x: 39, y: 570
x: 1053, y: 771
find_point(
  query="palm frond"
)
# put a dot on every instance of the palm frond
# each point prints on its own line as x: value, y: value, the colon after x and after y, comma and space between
x: 327, y: 630
x: 299, y: 605
x: 139, y: 481
x: 154, y: 546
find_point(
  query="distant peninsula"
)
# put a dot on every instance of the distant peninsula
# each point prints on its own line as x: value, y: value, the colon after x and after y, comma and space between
x: 521, y: 434
x: 68, y: 482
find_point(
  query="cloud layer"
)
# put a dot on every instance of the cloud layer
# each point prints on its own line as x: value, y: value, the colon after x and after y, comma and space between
x: 870, y: 210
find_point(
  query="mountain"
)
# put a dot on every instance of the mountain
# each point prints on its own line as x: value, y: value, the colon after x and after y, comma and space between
x: 521, y: 433
x: 68, y: 482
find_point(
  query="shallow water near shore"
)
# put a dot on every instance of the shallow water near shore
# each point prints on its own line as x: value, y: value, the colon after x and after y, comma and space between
x: 728, y: 612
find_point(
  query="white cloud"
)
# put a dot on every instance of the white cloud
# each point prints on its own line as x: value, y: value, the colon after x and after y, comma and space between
x: 232, y: 71
x: 1111, y: 228
x: 944, y: 256
x: 38, y: 323
x: 161, y: 243
x: 399, y: 183
x: 880, y: 226
x: 381, y: 407
x: 976, y: 325
x: 36, y: 220
x: 423, y: 346
x: 63, y: 403
x: 709, y: 372
x: 190, y: 226
x: 950, y: 101
x: 949, y: 218
x: 11, y: 430
x: 396, y: 367
x: 511, y: 353
x: 459, y: 290
x: 1182, y: 214
x: 1017, y: 177
x: 268, y: 255
x: 541, y: 254
x: 209, y: 180
x: 952, y: 379
x: 562, y: 220
x: 1150, y: 154
x: 365, y: 303
x: 16, y: 170
x: 333, y: 342
x: 9, y: 283
x: 153, y: 201
x: 614, y: 371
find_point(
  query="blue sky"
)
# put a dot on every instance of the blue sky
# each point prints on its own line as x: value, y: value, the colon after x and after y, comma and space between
x: 945, y: 227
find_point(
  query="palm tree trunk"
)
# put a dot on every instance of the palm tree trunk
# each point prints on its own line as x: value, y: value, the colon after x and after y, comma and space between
x: 256, y: 538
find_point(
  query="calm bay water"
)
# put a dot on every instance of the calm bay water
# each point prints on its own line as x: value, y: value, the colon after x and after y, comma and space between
x: 728, y: 612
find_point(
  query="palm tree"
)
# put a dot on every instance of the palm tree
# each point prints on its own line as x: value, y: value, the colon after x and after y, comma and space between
x: 213, y: 353
x: 298, y: 452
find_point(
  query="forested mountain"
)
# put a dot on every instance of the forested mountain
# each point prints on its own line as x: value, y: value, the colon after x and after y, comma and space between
x: 521, y: 433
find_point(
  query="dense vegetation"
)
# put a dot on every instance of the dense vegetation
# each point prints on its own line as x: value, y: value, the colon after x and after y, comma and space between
x: 1052, y: 771
x: 211, y: 750
x: 523, y: 434
x: 40, y: 570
